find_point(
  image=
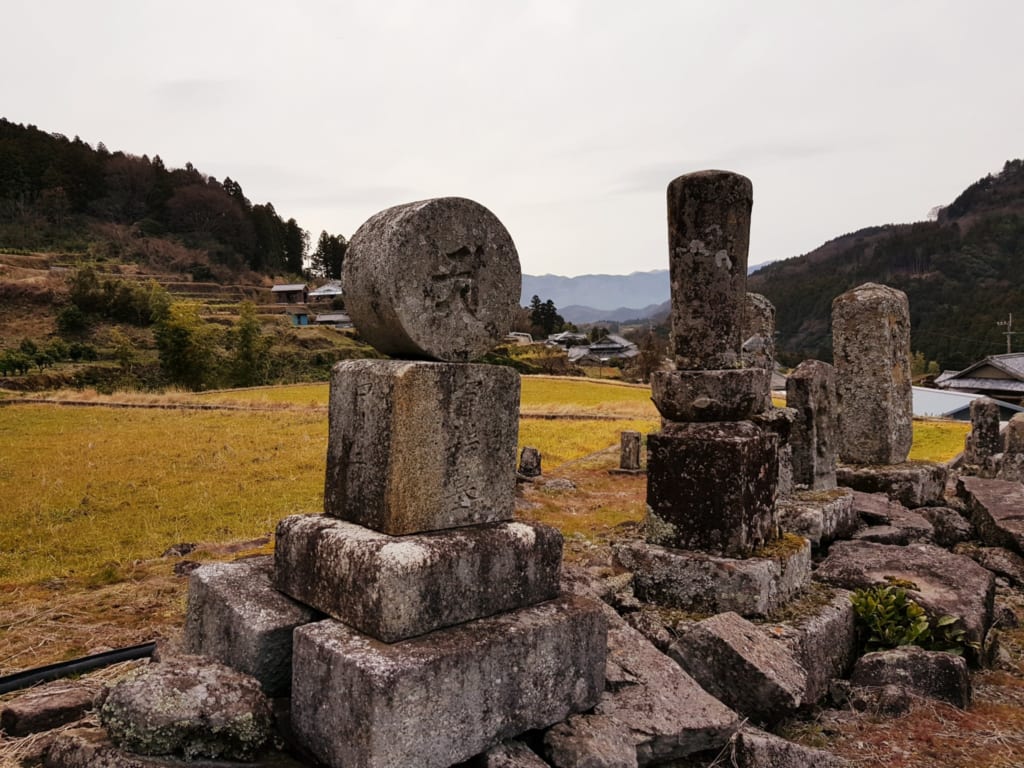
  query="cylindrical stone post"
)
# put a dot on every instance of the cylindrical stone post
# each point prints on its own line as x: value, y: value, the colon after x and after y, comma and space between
x: 871, y: 354
x: 629, y: 451
x: 436, y: 279
x: 708, y: 240
x: 983, y: 442
x: 811, y: 393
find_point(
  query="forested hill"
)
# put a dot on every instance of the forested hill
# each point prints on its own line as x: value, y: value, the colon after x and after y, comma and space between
x: 963, y: 273
x: 58, y: 194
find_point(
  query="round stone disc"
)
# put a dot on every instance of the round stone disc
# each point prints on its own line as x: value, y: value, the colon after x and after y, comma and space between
x: 436, y: 279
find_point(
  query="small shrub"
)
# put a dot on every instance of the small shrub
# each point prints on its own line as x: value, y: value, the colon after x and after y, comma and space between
x: 889, y: 617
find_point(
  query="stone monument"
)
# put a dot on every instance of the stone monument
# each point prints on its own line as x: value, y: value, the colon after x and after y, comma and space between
x: 712, y: 470
x: 447, y: 630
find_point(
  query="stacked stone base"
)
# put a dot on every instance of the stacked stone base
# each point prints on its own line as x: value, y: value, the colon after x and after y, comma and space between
x: 912, y: 483
x: 438, y: 699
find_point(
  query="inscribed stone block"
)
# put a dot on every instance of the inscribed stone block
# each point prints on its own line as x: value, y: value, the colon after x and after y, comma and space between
x: 443, y: 697
x: 392, y: 588
x: 811, y: 393
x: 419, y: 446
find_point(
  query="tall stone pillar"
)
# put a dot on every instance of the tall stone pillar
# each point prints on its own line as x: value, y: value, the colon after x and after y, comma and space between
x: 811, y: 393
x: 712, y: 473
x: 871, y: 352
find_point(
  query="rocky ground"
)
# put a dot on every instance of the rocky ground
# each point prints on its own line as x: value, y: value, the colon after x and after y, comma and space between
x: 645, y: 691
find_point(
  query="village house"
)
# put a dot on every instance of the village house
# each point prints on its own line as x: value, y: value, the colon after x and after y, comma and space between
x: 293, y: 293
x: 327, y: 292
x: 997, y: 376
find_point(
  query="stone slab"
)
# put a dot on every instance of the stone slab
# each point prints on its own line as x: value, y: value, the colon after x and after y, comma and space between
x: 508, y: 754
x: 727, y: 395
x: 949, y: 527
x: 823, y: 639
x: 912, y: 483
x: 821, y: 517
x: 996, y: 507
x: 444, y: 697
x: 435, y: 278
x: 417, y: 447
x: 651, y: 711
x: 695, y: 581
x: 711, y: 487
x: 737, y: 663
x: 396, y: 587
x: 235, y: 616
x: 811, y: 393
x: 933, y: 674
x: 44, y: 708
x: 946, y: 583
x: 753, y: 748
x: 90, y: 747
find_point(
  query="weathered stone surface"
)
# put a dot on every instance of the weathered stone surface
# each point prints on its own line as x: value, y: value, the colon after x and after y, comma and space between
x: 811, y: 393
x: 949, y: 526
x: 446, y: 696
x: 759, y: 332
x: 432, y: 279
x: 946, y: 583
x: 823, y: 640
x: 753, y: 748
x: 737, y: 663
x: 416, y: 447
x: 235, y: 616
x: 711, y: 487
x: 188, y: 706
x: 933, y: 674
x: 996, y: 508
x: 649, y: 703
x: 889, y: 521
x: 1014, y: 439
x: 629, y: 450
x: 392, y: 588
x: 779, y: 421
x: 708, y: 239
x: 913, y: 483
x: 1002, y: 562
x: 696, y: 581
x: 819, y: 516
x: 530, y: 462
x: 984, y: 440
x: 90, y: 747
x: 871, y: 353
x: 45, y: 708
x: 1010, y: 466
x: 723, y: 395
x: 508, y: 754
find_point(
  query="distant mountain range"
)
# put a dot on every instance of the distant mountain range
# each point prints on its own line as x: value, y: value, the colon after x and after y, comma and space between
x: 593, y: 298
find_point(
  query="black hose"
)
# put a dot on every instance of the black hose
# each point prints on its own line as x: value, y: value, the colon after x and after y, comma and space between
x: 29, y: 677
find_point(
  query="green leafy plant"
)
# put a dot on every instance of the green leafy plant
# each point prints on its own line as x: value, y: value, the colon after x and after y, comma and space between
x: 889, y: 618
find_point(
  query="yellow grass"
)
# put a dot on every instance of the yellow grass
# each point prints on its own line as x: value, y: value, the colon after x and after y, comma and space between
x: 938, y: 440
x: 89, y: 490
x: 563, y: 440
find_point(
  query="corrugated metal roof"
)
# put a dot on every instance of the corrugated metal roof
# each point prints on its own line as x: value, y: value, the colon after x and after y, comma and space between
x: 989, y: 385
x: 328, y: 289
x: 942, y: 403
x: 288, y: 288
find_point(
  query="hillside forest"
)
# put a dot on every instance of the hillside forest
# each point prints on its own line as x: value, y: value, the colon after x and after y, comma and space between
x: 963, y: 273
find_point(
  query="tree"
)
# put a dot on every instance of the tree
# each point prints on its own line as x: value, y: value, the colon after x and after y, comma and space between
x: 544, y: 316
x: 250, y: 359
x: 184, y: 345
x: 296, y: 245
x: 329, y: 256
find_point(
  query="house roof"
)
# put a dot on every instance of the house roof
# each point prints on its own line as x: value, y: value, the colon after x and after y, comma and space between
x: 332, y: 288
x: 944, y: 404
x: 289, y: 288
x: 1011, y: 364
x: 991, y: 385
x: 333, y: 317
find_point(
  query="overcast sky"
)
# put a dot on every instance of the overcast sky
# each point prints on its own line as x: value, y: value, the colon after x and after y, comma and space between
x: 567, y: 118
